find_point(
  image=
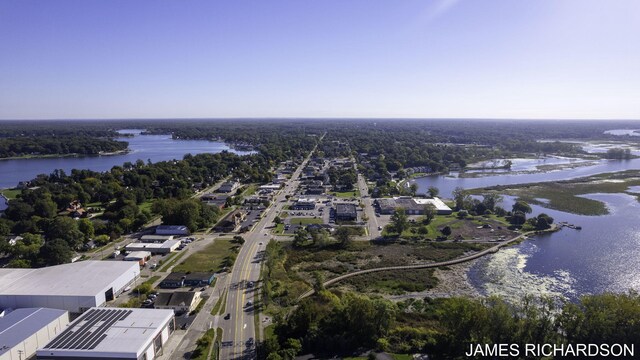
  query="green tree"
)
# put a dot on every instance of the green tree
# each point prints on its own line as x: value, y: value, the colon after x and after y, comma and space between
x: 55, y: 252
x: 446, y: 231
x: 433, y: 191
x: 521, y: 206
x: 277, y: 220
x: 344, y: 235
x: 490, y: 200
x: 238, y: 240
x: 86, y: 227
x: 430, y: 212
x: 400, y: 220
x: 65, y: 228
x: 461, y: 198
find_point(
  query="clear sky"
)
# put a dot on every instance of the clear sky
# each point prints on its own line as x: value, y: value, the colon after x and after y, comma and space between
x: 320, y: 58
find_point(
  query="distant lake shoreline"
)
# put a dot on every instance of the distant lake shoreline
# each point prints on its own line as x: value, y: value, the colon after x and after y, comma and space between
x: 154, y: 148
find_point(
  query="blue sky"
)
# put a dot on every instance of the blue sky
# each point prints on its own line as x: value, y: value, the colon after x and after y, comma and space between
x: 320, y: 58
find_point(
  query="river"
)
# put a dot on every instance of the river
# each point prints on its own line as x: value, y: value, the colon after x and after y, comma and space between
x: 144, y: 147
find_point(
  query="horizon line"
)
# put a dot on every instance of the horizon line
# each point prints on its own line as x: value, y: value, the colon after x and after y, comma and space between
x: 327, y: 118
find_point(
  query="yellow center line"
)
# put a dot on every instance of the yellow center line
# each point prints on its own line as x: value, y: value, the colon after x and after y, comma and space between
x: 240, y: 300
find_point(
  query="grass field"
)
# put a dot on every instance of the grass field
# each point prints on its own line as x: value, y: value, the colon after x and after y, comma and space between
x: 279, y: 229
x: 345, y: 194
x: 210, y: 259
x: 305, y: 221
x: 170, y: 260
x: 11, y: 193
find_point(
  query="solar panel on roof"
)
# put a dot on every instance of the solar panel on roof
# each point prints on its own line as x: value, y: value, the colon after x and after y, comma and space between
x: 89, y: 330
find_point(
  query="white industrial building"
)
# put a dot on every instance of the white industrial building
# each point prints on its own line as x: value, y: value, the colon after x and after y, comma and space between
x: 155, y: 248
x: 112, y: 333
x: 23, y: 331
x: 172, y: 230
x: 74, y: 287
x: 155, y: 238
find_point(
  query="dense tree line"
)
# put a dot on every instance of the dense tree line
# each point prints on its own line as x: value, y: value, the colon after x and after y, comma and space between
x: 333, y: 323
x: 46, y: 145
x: 119, y: 194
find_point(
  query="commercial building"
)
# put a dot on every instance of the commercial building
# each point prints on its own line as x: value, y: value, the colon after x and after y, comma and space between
x: 173, y: 281
x: 155, y: 238
x: 140, y: 256
x: 228, y: 187
x: 179, y: 301
x: 304, y: 204
x: 112, y: 333
x: 198, y: 279
x: 346, y: 212
x: 270, y: 187
x: 413, y: 206
x: 23, y: 331
x: 154, y: 248
x: 172, y: 230
x: 231, y: 222
x: 74, y: 287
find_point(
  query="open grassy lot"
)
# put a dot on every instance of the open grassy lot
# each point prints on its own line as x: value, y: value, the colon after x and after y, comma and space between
x: 11, y: 193
x: 466, y: 228
x: 168, y: 261
x: 305, y: 221
x: 345, y: 194
x: 392, y: 282
x: 565, y: 195
x: 212, y: 258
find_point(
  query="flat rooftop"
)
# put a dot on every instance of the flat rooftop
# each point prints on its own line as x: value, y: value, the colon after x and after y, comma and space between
x: 166, y: 244
x: 346, y: 209
x: 109, y: 330
x: 82, y: 278
x: 20, y: 324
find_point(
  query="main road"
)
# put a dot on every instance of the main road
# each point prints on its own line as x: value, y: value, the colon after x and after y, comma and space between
x: 239, y: 331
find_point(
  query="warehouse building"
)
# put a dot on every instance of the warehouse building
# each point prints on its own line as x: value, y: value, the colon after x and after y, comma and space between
x: 74, y: 287
x: 155, y: 238
x: 172, y: 230
x: 23, y: 331
x: 112, y: 333
x: 154, y: 248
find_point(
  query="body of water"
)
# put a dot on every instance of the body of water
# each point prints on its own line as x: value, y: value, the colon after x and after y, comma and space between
x: 602, y: 257
x: 144, y: 147
x: 447, y: 183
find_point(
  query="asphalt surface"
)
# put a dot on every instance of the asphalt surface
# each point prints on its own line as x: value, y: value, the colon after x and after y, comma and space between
x: 239, y: 331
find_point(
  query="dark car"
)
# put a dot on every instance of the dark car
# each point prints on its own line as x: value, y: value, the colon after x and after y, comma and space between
x: 228, y: 316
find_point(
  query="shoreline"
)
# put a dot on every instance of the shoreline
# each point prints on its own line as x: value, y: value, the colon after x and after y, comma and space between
x: 58, y: 156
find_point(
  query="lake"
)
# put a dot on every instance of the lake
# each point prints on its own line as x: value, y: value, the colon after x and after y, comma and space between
x: 155, y: 148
